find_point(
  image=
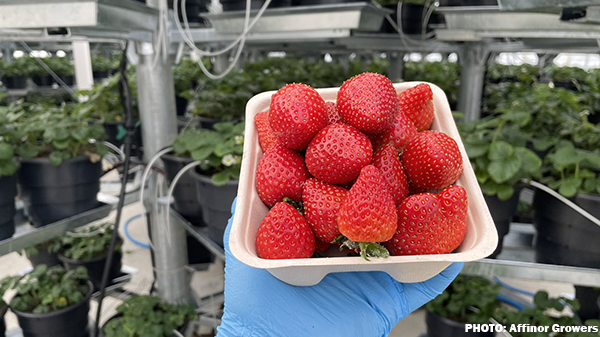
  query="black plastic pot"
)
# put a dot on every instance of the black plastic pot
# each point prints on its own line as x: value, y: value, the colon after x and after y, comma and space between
x: 69, y: 80
x: 113, y: 131
x: 43, y: 257
x: 51, y: 193
x: 565, y: 84
x: 181, y: 105
x: 502, y: 213
x: 2, y: 324
x: 438, y: 326
x: 469, y: 3
x: 95, y: 267
x: 565, y: 237
x: 412, y: 18
x: 101, y: 74
x: 15, y: 82
x: 240, y: 5
x: 68, y: 322
x: 588, y: 298
x: 216, y: 204
x: 8, y: 192
x: 185, y: 194
x: 43, y: 80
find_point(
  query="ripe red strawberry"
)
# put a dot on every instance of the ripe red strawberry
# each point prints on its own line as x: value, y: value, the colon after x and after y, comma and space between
x: 432, y: 160
x: 420, y: 224
x: 322, y: 202
x: 266, y: 138
x: 284, y: 234
x: 321, y: 246
x: 280, y: 173
x: 338, y: 153
x: 333, y: 116
x: 368, y: 213
x: 454, y: 206
x: 388, y: 162
x: 402, y: 132
x: 297, y: 113
x: 417, y: 104
x: 368, y: 102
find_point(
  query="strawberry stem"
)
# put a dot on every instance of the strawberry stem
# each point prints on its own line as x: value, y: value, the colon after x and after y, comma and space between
x: 298, y: 205
x: 367, y: 249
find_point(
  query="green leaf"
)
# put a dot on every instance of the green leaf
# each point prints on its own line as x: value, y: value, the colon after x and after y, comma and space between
x: 505, y: 192
x: 475, y: 150
x: 61, y: 144
x: 569, y: 186
x: 80, y: 134
x: 7, y: 167
x: 28, y: 151
x: 542, y: 144
x: 202, y: 153
x: 502, y: 170
x: 56, y: 158
x: 6, y: 151
x: 220, y: 179
x: 529, y: 160
x: 500, y: 150
x: 50, y: 134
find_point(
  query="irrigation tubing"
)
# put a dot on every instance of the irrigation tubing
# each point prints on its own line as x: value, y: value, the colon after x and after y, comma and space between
x: 126, y: 102
x: 131, y: 238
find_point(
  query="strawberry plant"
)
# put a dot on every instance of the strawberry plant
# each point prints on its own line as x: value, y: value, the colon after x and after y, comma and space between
x: 102, y: 63
x: 87, y: 244
x: 18, y: 67
x: 7, y: 164
x: 58, y: 136
x: 468, y: 299
x: 148, y: 316
x: 46, y: 289
x: 61, y: 66
x: 219, y: 150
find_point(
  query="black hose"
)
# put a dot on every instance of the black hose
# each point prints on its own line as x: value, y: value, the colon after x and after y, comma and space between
x: 126, y: 102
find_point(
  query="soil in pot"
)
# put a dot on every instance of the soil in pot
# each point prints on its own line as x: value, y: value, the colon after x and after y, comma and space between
x: 68, y: 322
x: 216, y: 205
x: 51, y: 193
x: 15, y: 82
x: 185, y: 194
x: 438, y: 326
x: 43, y: 80
x: 565, y: 237
x: 502, y: 212
x: 237, y: 5
x: 8, y: 192
x: 95, y: 267
x: 588, y: 298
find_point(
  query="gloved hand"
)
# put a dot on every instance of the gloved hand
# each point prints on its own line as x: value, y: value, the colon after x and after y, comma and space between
x: 350, y: 304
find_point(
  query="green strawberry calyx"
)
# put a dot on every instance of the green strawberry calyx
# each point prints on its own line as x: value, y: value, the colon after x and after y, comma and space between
x: 298, y: 205
x: 367, y: 249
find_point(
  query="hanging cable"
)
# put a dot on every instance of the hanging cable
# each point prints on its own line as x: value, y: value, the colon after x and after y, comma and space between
x: 126, y: 102
x: 147, y: 171
x: 172, y: 187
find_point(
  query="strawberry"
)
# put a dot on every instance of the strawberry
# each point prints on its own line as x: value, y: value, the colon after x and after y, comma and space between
x: 333, y: 116
x: 280, y: 173
x: 417, y: 104
x: 402, y: 132
x: 266, y: 138
x: 388, y: 162
x: 453, y: 205
x: 284, y: 234
x: 322, y: 202
x: 368, y: 102
x: 432, y: 160
x: 321, y: 246
x: 368, y: 214
x: 338, y: 153
x: 297, y: 113
x: 419, y: 225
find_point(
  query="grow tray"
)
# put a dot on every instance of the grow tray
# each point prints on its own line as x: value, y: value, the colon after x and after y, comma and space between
x: 361, y: 16
x: 480, y: 241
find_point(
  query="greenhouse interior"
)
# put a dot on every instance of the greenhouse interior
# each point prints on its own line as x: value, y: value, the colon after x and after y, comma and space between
x: 299, y: 168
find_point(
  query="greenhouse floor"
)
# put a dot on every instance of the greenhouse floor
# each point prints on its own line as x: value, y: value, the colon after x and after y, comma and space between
x: 206, y: 282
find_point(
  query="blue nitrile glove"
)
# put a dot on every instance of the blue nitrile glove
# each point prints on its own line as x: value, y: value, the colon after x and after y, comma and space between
x: 350, y: 304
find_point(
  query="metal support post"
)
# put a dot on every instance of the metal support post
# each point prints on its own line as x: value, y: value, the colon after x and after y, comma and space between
x: 472, y: 58
x: 156, y: 99
x: 83, y: 65
x: 396, y: 66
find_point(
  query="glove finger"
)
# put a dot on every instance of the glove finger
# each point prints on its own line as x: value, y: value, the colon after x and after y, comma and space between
x: 420, y: 293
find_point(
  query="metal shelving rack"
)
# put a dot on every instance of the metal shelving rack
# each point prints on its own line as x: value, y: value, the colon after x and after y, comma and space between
x: 470, y: 33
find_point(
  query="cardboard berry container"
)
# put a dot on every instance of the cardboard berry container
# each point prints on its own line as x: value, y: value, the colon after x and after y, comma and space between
x: 480, y: 241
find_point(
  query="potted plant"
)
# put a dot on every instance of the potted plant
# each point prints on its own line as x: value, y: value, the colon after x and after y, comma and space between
x: 44, y: 253
x: 545, y: 312
x: 63, y: 68
x: 101, y: 66
x: 89, y: 248
x: 148, y: 316
x: 60, y: 164
x: 216, y: 179
x: 185, y: 78
x: 8, y: 178
x: 51, y: 301
x: 496, y: 147
x: 15, y: 73
x: 569, y: 78
x: 468, y: 299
